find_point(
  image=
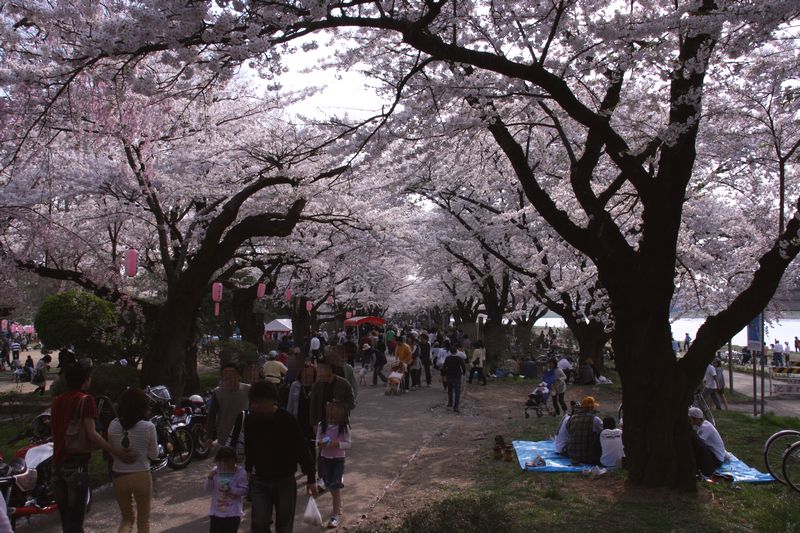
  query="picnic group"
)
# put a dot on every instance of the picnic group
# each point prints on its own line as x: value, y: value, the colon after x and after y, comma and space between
x: 296, y: 413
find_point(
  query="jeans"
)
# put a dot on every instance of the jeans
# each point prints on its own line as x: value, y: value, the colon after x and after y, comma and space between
x: 714, y: 397
x: 268, y: 494
x: 71, y: 491
x: 377, y: 372
x: 224, y: 524
x: 477, y: 370
x: 453, y: 392
x: 136, y: 486
x: 558, y: 399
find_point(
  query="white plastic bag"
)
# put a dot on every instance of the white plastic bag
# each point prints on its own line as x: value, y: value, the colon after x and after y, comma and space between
x: 312, y: 516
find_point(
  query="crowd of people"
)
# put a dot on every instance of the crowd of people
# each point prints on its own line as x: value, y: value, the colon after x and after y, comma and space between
x: 296, y: 413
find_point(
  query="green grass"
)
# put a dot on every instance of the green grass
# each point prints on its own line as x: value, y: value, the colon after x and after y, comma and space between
x: 520, y: 502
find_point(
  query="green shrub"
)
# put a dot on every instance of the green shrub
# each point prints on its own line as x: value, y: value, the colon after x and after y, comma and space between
x: 240, y: 352
x: 77, y: 318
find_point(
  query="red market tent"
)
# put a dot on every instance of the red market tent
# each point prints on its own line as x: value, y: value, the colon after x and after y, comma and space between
x: 359, y: 320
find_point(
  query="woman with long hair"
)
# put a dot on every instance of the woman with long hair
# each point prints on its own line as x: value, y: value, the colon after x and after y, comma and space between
x: 132, y: 482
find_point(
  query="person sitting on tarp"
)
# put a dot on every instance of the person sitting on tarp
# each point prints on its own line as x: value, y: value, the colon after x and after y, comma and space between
x: 584, y: 429
x: 562, y: 436
x: 709, y: 450
x: 586, y: 373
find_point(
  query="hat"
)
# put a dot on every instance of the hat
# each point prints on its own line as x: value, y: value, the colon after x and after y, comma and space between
x: 696, y: 412
x: 366, y: 346
x: 272, y: 354
x: 589, y: 403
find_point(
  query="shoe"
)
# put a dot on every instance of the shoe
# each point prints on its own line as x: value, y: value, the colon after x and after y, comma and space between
x: 333, y: 523
x: 498, y: 453
x: 508, y: 453
x: 449, y: 405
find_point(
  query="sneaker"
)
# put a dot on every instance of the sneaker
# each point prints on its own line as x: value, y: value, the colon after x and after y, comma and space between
x: 333, y: 523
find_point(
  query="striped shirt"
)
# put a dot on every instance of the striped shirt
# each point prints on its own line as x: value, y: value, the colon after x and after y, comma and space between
x: 143, y: 441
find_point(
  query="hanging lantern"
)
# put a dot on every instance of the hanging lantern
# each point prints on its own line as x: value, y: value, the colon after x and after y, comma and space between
x: 288, y: 295
x: 4, y: 325
x: 216, y: 295
x: 348, y: 314
x: 309, y: 305
x: 130, y: 262
x: 261, y: 290
x: 330, y: 299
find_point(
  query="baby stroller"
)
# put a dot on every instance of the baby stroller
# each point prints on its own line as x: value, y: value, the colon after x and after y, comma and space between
x: 395, y: 378
x: 537, y: 400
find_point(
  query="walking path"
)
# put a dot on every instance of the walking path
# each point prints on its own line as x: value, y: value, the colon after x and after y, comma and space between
x: 780, y: 405
x: 388, y: 434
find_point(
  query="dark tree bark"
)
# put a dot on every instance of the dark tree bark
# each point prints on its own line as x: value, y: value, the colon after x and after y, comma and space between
x: 251, y: 324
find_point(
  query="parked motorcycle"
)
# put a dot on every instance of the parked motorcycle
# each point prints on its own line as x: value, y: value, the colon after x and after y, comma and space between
x: 193, y: 413
x: 176, y: 443
x: 25, y: 480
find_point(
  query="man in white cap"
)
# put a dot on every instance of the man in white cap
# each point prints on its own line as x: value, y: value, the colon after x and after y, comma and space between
x: 709, y: 450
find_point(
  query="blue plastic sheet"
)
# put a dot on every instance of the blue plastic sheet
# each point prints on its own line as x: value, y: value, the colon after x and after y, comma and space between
x: 528, y: 450
x: 733, y: 468
x: 738, y: 472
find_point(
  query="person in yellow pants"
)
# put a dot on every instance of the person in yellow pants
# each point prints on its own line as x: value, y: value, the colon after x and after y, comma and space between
x: 132, y: 482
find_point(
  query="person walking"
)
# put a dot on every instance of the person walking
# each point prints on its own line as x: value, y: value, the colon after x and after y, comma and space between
x: 720, y: 374
x: 378, y: 362
x: 556, y: 379
x: 333, y: 440
x: 274, y: 445
x: 425, y: 357
x: 132, y: 482
x: 777, y: 354
x: 227, y: 484
x: 228, y: 400
x: 402, y: 352
x: 76, y: 411
x: 478, y: 361
x: 710, y: 385
x: 416, y: 364
x: 453, y: 369
x: 328, y: 388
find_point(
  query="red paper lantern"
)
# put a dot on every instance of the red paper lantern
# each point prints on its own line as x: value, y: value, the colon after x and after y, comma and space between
x: 130, y: 262
x: 216, y: 295
x: 288, y: 295
x: 309, y: 305
x: 4, y: 325
x: 330, y: 299
x: 261, y: 290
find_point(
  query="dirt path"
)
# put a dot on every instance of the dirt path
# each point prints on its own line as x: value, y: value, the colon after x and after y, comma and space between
x: 389, y: 434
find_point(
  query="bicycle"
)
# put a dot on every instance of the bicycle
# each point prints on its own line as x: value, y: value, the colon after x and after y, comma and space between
x: 791, y: 466
x: 774, y: 450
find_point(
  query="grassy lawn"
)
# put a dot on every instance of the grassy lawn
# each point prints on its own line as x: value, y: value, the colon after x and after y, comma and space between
x: 504, y: 498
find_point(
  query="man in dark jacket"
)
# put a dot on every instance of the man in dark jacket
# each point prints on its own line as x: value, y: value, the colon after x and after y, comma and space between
x: 274, y: 446
x: 378, y: 364
x: 453, y: 369
x: 329, y: 387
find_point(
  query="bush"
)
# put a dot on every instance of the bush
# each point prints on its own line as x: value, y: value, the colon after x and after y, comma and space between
x: 77, y: 318
x: 240, y: 352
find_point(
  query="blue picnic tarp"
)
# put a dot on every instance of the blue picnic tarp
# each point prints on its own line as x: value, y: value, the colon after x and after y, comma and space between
x: 733, y: 468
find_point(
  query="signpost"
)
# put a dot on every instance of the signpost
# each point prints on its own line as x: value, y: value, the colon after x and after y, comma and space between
x: 755, y: 343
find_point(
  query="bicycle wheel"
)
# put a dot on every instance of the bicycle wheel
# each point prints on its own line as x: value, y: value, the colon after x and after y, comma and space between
x: 791, y: 466
x: 774, y: 449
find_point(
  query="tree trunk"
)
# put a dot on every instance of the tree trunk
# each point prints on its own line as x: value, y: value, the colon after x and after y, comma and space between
x: 251, y: 324
x: 301, y: 322
x: 494, y: 338
x: 168, y: 361
x: 591, y: 337
x: 656, y: 396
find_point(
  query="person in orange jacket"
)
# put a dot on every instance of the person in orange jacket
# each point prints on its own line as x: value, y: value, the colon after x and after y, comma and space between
x: 403, y: 353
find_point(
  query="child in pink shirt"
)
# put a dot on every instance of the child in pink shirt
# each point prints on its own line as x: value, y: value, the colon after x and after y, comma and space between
x: 333, y: 439
x: 227, y: 484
